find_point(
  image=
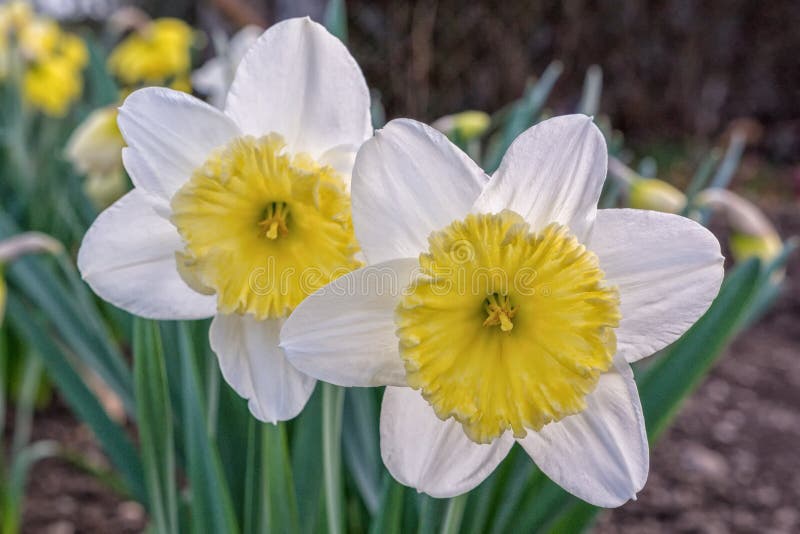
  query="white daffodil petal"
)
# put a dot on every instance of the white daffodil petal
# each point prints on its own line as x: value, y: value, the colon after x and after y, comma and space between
x: 601, y: 454
x: 668, y: 270
x: 300, y: 81
x: 408, y: 181
x: 341, y: 158
x: 552, y: 172
x: 173, y: 134
x: 128, y: 258
x: 345, y: 332
x: 257, y: 369
x: 433, y: 456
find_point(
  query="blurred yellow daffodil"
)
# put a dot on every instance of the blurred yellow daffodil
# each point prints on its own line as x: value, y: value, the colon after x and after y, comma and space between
x: 52, y: 85
x: 51, y: 59
x: 155, y: 54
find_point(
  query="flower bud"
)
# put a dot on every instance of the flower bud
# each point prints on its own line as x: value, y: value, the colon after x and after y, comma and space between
x: 752, y: 235
x: 657, y: 195
x: 95, y: 147
x: 466, y: 125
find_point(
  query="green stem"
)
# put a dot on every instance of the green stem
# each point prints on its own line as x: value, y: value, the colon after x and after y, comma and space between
x: 332, y: 406
x: 454, y: 514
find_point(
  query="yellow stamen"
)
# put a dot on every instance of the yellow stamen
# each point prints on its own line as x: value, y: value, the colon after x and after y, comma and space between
x: 274, y: 221
x: 499, y: 311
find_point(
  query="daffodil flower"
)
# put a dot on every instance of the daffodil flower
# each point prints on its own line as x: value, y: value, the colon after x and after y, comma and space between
x: 504, y: 309
x: 239, y: 214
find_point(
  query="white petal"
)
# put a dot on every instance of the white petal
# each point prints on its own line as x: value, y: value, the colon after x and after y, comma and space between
x: 345, y: 332
x: 257, y: 369
x: 341, y: 158
x: 601, y: 454
x: 552, y: 172
x: 433, y: 456
x: 172, y: 133
x: 408, y: 181
x: 668, y: 270
x: 300, y: 81
x: 128, y: 258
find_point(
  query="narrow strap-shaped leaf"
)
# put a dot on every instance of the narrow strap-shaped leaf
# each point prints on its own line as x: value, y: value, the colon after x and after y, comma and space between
x: 307, y: 463
x: 277, y: 482
x: 335, y: 19
x: 156, y: 437
x: 332, y: 406
x: 454, y: 515
x: 212, y: 509
x: 431, y: 513
x: 523, y: 115
x: 81, y: 400
x: 360, y: 443
x: 78, y: 324
x: 389, y: 519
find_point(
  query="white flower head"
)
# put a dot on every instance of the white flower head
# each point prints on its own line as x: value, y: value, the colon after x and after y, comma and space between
x: 504, y: 309
x: 231, y: 208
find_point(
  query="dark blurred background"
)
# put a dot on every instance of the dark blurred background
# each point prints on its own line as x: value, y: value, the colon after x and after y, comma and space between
x: 673, y: 69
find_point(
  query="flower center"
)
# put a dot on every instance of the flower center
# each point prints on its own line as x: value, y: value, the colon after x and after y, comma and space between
x: 273, y: 223
x: 263, y: 229
x: 509, y: 329
x: 499, y: 312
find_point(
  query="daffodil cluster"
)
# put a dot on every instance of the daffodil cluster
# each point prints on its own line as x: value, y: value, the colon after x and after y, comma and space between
x: 158, y: 52
x: 495, y: 309
x: 51, y: 59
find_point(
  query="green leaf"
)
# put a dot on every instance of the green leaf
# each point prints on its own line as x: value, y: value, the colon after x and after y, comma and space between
x: 81, y: 400
x: 700, y: 179
x: 211, y: 509
x: 524, y: 114
x: 389, y: 519
x: 592, y: 89
x: 13, y: 489
x: 155, y: 426
x: 431, y: 513
x: 360, y: 442
x: 454, y: 515
x: 335, y: 19
x: 277, y: 483
x: 307, y: 463
x: 78, y: 324
x: 332, y: 406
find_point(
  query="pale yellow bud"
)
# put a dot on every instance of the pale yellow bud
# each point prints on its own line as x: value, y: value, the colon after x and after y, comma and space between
x: 95, y: 147
x: 752, y: 234
x: 104, y: 189
x: 466, y: 125
x: 657, y: 195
